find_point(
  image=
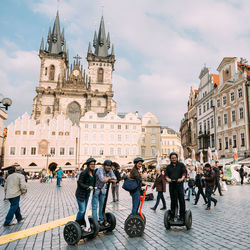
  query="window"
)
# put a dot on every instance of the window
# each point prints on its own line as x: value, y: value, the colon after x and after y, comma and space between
x: 199, y: 110
x: 100, y: 75
x: 207, y: 105
x: 134, y: 127
x: 119, y: 126
x: 53, y: 133
x: 102, y: 126
x: 233, y: 116
x: 143, y: 151
x: 208, y: 124
x: 240, y: 92
x: 219, y: 121
x: 94, y: 137
x: 126, y: 126
x: 134, y: 138
x: 234, y: 141
x: 111, y: 151
x: 23, y: 151
x: 101, y: 151
x: 86, y: 125
x: 153, y: 139
x: 143, y: 140
x: 211, y: 103
x: 93, y: 151
x: 220, y: 145
x: 134, y: 150
x: 52, y: 73
x: 52, y: 150
x: 225, y: 118
x: 232, y: 96
x: 218, y: 103
x: 94, y: 125
x: 205, y: 126
x: 31, y: 132
x: 212, y: 122
x: 24, y: 132
x: 60, y: 133
x: 17, y: 132
x: 226, y: 142
x: 200, y: 128
x: 112, y: 138
x: 62, y: 151
x: 143, y: 130
x: 112, y: 126
x: 127, y: 138
x: 46, y: 70
x: 86, y: 137
x: 119, y: 151
x: 47, y: 111
x: 153, y: 151
x: 153, y: 130
x: 33, y: 151
x: 241, y: 113
x: 242, y: 137
x: 85, y: 150
x: 127, y: 151
x: 71, y: 151
x: 212, y: 140
x: 204, y: 108
x: 12, y: 150
x: 224, y: 100
x: 119, y: 137
x: 102, y: 137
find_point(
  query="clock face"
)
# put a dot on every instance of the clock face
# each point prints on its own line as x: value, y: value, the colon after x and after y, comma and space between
x: 76, y: 72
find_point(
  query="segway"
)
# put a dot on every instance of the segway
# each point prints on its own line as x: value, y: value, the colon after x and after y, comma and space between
x: 109, y: 218
x: 169, y: 221
x: 135, y: 224
x: 74, y: 231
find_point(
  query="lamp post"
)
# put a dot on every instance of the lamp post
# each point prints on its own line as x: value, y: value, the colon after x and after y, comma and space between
x: 47, y: 161
x: 6, y: 102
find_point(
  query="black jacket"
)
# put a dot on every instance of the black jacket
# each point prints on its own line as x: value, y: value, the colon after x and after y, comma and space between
x: 117, y: 175
x: 199, y: 183
x: 83, y: 185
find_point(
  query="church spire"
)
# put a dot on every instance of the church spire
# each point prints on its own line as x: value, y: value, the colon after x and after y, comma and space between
x: 42, y: 46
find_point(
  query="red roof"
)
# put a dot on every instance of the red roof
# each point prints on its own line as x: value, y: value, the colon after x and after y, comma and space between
x: 216, y: 79
x: 196, y: 91
x: 244, y: 67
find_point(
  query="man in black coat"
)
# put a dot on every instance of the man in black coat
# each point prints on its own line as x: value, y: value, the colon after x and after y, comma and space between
x: 175, y: 174
x: 242, y: 174
x: 199, y: 184
x: 217, y: 178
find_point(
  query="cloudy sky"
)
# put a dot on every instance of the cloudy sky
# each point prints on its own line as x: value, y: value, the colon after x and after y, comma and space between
x: 160, y: 47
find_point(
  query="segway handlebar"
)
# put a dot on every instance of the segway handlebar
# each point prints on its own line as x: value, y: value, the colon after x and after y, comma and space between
x: 143, y: 198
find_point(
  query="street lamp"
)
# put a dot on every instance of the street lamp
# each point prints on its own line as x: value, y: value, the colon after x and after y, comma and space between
x: 47, y: 162
x: 6, y: 102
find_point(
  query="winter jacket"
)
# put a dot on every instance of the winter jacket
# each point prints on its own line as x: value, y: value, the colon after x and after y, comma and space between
x: 160, y: 183
x: 210, y: 178
x: 83, y: 185
x: 15, y: 186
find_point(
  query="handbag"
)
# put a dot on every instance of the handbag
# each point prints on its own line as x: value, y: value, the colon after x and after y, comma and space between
x: 130, y: 185
x: 191, y: 183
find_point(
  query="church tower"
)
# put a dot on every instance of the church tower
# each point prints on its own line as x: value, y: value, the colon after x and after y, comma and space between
x: 100, y: 66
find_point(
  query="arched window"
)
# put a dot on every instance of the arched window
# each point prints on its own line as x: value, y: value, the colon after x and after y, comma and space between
x: 47, y: 111
x: 100, y: 75
x: 46, y: 70
x: 52, y: 73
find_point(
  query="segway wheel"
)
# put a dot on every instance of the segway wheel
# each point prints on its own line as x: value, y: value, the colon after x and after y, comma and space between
x: 72, y: 233
x: 94, y: 225
x: 112, y: 221
x: 134, y: 226
x: 167, y: 217
x: 188, y: 219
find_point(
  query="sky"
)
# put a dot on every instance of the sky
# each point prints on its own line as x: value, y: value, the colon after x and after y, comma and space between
x: 160, y: 47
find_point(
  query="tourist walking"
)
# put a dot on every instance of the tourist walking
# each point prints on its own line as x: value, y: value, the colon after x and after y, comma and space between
x: 191, y: 182
x: 199, y: 183
x: 115, y: 186
x: 160, y: 185
x: 242, y: 173
x: 14, y: 187
x: 210, y: 179
x: 103, y: 175
x: 59, y: 177
x: 217, y: 178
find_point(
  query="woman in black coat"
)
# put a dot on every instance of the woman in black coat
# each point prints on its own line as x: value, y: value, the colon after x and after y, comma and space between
x: 85, y: 184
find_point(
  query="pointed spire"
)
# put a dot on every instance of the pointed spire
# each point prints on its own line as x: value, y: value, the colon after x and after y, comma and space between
x: 113, y: 50
x: 42, y: 45
x: 89, y: 49
x: 64, y: 47
x: 62, y: 37
x: 49, y: 35
x: 95, y: 40
x: 108, y: 41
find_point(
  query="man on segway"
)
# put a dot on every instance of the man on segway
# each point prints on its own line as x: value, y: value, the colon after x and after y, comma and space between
x: 175, y: 174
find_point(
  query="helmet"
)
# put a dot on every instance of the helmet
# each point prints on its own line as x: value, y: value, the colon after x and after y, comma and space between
x: 136, y: 160
x: 107, y: 163
x: 90, y: 160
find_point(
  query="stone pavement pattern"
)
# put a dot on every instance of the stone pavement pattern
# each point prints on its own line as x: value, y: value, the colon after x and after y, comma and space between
x: 224, y: 227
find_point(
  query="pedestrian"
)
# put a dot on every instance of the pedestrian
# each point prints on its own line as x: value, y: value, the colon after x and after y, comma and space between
x: 199, y: 183
x: 210, y: 180
x: 175, y: 174
x: 50, y: 178
x: 59, y: 177
x: 103, y: 176
x: 14, y: 187
x: 242, y: 173
x: 136, y: 176
x: 160, y: 185
x: 191, y: 182
x: 217, y: 178
x: 85, y: 184
x: 115, y: 186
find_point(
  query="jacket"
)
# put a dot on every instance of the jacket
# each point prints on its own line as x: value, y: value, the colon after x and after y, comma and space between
x: 83, y: 185
x: 160, y: 183
x: 15, y: 186
x: 199, y: 183
x: 210, y: 178
x: 135, y: 175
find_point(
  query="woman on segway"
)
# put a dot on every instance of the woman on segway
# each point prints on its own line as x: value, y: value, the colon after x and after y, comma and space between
x: 85, y: 184
x: 135, y: 175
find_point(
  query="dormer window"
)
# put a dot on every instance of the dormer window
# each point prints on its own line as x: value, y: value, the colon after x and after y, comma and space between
x: 227, y: 72
x: 100, y: 75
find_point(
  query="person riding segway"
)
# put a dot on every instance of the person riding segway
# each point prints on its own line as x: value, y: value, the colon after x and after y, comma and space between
x: 175, y: 174
x: 84, y: 226
x: 135, y: 223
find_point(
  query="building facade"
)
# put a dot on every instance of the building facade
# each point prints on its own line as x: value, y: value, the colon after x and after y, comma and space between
x: 205, y: 109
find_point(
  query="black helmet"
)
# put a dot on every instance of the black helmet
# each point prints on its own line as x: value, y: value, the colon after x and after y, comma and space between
x: 90, y: 160
x: 136, y: 160
x: 107, y: 163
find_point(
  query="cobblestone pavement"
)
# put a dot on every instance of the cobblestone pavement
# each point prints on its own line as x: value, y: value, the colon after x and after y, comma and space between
x: 224, y: 227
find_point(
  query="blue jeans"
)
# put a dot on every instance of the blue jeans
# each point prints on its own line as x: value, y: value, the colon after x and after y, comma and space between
x: 14, y: 210
x: 82, y: 208
x: 208, y: 193
x: 189, y: 192
x: 160, y: 197
x: 98, y: 197
x: 135, y: 201
x: 58, y: 183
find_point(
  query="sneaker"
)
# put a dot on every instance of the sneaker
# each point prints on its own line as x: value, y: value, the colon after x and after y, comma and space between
x: 21, y: 221
x: 153, y: 208
x: 208, y: 208
x: 163, y: 208
x: 187, y: 199
x: 10, y: 224
x: 195, y: 203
